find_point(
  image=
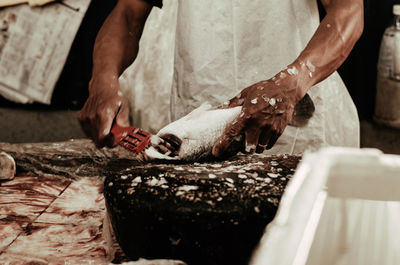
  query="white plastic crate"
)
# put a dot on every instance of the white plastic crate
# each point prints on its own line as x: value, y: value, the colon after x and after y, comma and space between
x: 341, y: 207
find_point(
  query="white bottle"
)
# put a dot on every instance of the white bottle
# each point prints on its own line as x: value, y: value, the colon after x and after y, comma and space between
x: 387, y: 107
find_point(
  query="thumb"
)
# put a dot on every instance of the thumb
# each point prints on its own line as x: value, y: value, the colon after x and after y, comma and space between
x: 235, y: 101
x: 225, y: 140
x: 122, y: 117
x: 105, y: 138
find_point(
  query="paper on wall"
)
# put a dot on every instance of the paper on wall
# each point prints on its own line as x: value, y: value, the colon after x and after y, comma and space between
x: 34, y: 45
x: 4, y: 3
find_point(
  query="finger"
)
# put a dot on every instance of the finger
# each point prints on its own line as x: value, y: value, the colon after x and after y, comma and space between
x: 236, y: 101
x: 260, y: 149
x: 122, y: 117
x: 103, y: 133
x: 110, y: 141
x: 274, y: 137
x: 230, y: 133
x: 87, y: 124
x: 87, y: 129
x: 84, y: 122
x: 252, y: 135
x: 263, y: 140
x: 265, y: 135
x: 81, y: 117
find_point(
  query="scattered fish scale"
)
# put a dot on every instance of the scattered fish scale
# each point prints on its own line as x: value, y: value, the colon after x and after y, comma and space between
x: 182, y: 206
x: 241, y: 172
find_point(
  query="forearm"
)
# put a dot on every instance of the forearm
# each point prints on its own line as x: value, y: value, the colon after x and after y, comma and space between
x: 117, y: 43
x: 331, y: 43
x: 268, y: 106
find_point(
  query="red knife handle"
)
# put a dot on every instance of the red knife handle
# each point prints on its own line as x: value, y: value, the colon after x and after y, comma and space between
x: 120, y: 132
x: 131, y: 138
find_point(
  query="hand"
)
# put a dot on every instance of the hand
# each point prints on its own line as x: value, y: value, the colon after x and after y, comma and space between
x: 267, y: 108
x: 104, y: 105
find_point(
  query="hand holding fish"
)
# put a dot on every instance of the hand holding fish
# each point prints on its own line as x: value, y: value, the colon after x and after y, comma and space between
x: 261, y: 112
x: 267, y: 108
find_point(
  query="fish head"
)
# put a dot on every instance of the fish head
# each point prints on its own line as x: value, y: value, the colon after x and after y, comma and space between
x: 303, y: 111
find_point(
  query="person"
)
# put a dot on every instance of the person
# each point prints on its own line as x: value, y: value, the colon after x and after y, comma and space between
x: 263, y: 55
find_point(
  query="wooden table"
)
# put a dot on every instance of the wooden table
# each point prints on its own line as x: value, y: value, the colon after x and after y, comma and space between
x: 52, y: 212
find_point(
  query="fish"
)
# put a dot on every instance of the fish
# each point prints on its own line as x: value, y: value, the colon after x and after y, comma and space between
x: 303, y: 111
x: 192, y: 137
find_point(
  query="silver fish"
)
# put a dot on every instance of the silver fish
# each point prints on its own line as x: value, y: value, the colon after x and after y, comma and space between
x: 192, y: 137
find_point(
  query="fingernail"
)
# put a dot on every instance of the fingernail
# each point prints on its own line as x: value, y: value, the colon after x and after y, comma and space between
x: 215, y: 151
x: 259, y: 149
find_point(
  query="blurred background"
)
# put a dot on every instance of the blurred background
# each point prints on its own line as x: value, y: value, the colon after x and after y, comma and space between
x: 57, y: 121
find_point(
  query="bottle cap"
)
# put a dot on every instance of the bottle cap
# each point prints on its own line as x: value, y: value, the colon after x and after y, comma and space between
x: 396, y: 10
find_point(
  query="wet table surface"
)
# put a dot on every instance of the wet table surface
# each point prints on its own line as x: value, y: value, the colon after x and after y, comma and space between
x: 46, y: 220
x: 53, y: 211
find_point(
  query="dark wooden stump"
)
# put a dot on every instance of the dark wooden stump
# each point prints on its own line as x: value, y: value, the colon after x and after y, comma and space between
x: 201, y: 213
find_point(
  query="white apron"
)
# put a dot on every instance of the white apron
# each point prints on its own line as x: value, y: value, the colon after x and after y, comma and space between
x: 223, y: 46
